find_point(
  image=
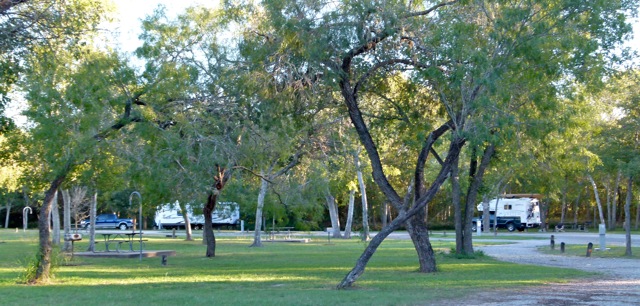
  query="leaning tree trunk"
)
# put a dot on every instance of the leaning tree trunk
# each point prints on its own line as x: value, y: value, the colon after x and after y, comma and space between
x: 420, y: 205
x: 333, y: 215
x: 66, y: 217
x: 43, y: 269
x: 347, y: 227
x: 361, y: 263
x: 257, y: 241
x: 595, y: 192
x: 627, y: 217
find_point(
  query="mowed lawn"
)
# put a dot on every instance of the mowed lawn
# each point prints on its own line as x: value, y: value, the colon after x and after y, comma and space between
x: 277, y: 274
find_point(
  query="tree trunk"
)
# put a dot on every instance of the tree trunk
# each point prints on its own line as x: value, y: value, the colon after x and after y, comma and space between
x: 544, y: 209
x: 6, y: 218
x: 419, y: 233
x: 347, y: 227
x: 495, y: 220
x: 456, y: 192
x: 333, y: 215
x: 385, y: 213
x: 563, y: 209
x: 616, y: 199
x: 187, y: 222
x: 363, y: 195
x: 55, y: 220
x: 476, y: 176
x: 66, y: 217
x: 208, y: 235
x: 92, y: 223
x: 43, y: 269
x: 486, y: 226
x: 577, y: 206
x: 607, y: 188
x: 219, y: 182
x: 257, y: 242
x: 420, y: 205
x: 595, y: 192
x: 627, y: 217
x: 361, y: 263
x: 637, y: 215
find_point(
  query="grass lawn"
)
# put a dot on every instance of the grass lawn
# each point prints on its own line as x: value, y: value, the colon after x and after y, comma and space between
x: 581, y: 250
x: 277, y: 274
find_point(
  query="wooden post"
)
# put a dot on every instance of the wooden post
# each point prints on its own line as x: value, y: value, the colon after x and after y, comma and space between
x: 589, y: 249
x: 561, y: 247
x: 553, y: 243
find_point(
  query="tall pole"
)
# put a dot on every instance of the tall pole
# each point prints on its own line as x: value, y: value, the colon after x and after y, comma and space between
x: 140, y: 220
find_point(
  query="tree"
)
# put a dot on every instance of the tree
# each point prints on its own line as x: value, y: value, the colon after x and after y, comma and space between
x: 28, y: 25
x: 219, y: 181
x: 465, y: 54
x: 73, y: 107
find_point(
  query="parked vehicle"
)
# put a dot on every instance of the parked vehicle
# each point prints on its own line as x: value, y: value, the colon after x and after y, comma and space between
x: 509, y: 223
x: 170, y: 216
x: 108, y: 221
x: 514, y: 211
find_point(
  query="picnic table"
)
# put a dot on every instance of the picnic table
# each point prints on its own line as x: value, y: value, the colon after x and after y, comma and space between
x: 276, y: 230
x: 120, y: 238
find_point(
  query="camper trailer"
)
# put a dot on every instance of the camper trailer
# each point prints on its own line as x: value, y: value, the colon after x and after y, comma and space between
x: 515, y: 211
x: 169, y: 216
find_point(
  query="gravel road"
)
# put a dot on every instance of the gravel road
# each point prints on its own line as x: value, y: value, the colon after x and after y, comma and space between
x: 617, y: 284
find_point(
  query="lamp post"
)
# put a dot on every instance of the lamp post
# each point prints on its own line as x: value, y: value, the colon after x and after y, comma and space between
x: 140, y: 220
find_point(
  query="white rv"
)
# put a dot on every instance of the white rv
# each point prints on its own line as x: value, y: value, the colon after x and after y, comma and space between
x: 170, y: 216
x: 523, y: 206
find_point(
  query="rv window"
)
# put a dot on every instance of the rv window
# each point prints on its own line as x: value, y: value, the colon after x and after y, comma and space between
x: 507, y: 207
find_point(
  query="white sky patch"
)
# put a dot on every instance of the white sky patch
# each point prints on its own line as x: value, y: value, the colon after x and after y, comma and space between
x: 127, y: 26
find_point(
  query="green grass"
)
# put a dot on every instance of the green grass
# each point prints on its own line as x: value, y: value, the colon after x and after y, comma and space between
x: 277, y: 274
x: 581, y: 250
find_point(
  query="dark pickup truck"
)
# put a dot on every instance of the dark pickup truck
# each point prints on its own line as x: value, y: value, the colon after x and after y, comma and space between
x: 108, y: 221
x: 510, y: 223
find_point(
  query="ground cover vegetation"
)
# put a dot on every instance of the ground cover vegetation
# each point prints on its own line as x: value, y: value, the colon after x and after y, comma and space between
x: 615, y: 251
x: 277, y: 274
x: 293, y: 108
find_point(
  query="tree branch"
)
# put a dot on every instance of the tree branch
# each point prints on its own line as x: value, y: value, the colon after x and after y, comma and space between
x: 424, y: 153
